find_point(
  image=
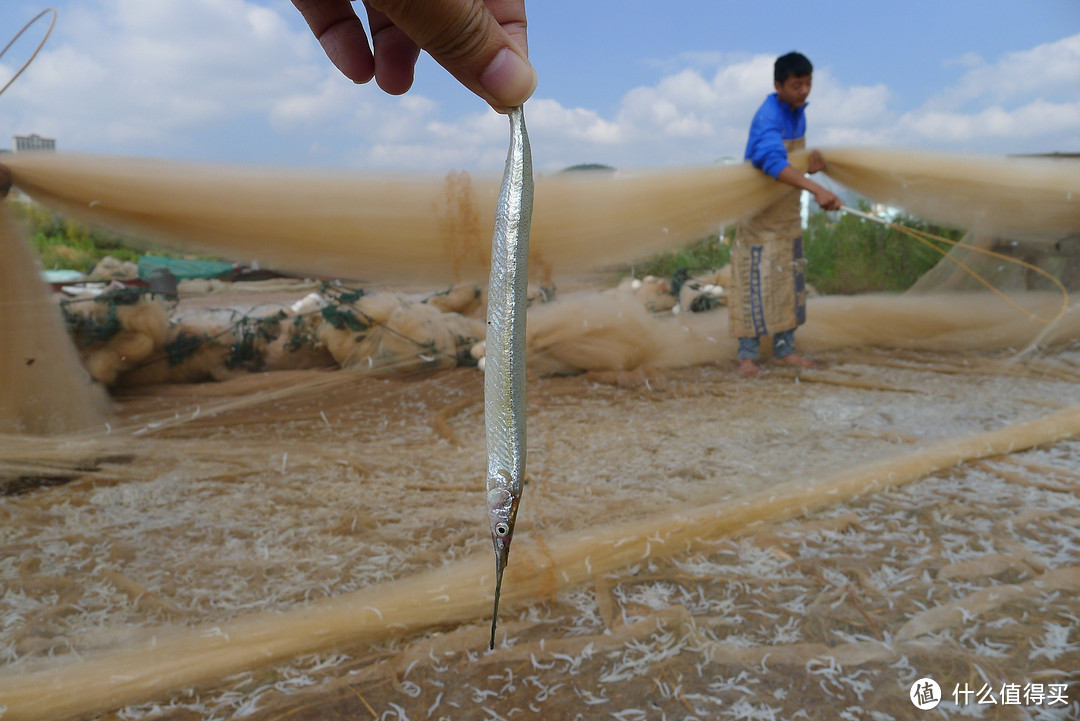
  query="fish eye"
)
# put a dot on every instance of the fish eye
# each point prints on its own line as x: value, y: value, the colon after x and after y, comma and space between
x: 502, y: 530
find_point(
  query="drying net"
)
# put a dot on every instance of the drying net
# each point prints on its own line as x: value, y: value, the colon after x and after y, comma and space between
x: 423, y: 232
x: 384, y: 228
x: 328, y: 521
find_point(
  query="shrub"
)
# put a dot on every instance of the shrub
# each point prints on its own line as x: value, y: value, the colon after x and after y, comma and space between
x: 849, y: 255
x: 845, y: 255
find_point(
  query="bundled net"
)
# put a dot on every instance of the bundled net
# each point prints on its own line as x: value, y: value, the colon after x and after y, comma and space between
x: 436, y: 230
x: 1013, y: 198
x: 412, y: 229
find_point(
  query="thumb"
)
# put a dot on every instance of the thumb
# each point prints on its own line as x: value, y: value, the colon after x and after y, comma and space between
x: 473, y: 41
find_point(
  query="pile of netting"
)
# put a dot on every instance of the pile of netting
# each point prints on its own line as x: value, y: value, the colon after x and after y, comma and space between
x: 131, y: 336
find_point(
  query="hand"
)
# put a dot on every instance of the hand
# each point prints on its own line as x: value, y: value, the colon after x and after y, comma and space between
x: 827, y: 199
x: 816, y: 162
x: 482, y: 43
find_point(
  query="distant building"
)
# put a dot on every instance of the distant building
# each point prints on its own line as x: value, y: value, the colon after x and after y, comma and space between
x: 34, y: 142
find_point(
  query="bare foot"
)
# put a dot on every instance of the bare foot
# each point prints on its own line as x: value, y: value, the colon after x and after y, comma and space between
x: 794, y: 359
x: 747, y: 368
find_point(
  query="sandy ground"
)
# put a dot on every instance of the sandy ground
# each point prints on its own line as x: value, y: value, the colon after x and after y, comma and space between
x: 271, y: 492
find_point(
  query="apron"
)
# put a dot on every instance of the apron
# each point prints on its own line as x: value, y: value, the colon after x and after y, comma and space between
x: 768, y: 282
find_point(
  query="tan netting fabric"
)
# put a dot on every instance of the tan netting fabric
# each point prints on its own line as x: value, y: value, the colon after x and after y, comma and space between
x: 309, y: 543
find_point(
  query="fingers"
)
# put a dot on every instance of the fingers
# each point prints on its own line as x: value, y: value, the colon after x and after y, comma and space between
x: 341, y: 35
x: 481, y: 44
x: 510, y: 14
x: 395, y: 54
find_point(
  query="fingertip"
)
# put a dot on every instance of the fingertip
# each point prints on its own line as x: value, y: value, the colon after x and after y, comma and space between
x: 346, y: 44
x: 356, y: 65
x: 509, y: 78
x: 358, y: 78
x: 395, y: 55
x: 395, y: 72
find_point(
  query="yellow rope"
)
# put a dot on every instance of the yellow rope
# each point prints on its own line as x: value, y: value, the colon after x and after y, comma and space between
x: 925, y: 238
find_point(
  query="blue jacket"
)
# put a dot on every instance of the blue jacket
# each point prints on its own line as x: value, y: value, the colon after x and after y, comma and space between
x: 773, y: 123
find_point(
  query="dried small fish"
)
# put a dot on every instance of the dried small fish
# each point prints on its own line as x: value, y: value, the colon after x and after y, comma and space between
x: 504, y: 379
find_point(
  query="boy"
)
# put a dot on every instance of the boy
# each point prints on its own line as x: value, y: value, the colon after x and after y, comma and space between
x: 768, y: 294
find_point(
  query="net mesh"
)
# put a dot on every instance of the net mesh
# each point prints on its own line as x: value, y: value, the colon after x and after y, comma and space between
x: 205, y: 531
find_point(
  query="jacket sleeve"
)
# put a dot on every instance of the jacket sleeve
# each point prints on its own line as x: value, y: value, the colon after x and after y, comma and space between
x: 766, y: 148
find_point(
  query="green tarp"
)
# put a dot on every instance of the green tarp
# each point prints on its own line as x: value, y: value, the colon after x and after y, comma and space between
x: 182, y: 268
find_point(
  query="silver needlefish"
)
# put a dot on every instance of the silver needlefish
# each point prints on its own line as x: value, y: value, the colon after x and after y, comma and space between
x: 504, y: 379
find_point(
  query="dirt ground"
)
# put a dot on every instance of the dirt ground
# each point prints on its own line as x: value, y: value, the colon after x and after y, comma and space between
x: 212, y: 501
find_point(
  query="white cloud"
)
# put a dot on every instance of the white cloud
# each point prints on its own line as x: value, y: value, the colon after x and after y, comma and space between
x: 1047, y: 70
x: 836, y: 136
x: 834, y: 105
x: 689, y: 90
x: 1023, y: 101
x: 741, y: 86
x: 579, y: 124
x: 1035, y: 120
x: 132, y: 77
x: 122, y: 72
x: 477, y: 140
x: 137, y: 77
x: 472, y: 127
x: 687, y: 105
x: 339, y: 107
x: 327, y: 101
x: 1026, y: 101
x: 698, y: 115
x: 649, y: 112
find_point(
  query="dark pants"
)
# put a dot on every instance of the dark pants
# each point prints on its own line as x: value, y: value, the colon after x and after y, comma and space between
x: 783, y: 344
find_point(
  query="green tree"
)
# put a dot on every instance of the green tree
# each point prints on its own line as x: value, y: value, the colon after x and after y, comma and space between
x: 845, y: 255
x: 849, y: 255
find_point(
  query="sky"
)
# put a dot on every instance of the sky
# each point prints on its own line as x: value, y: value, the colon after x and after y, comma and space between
x: 627, y: 83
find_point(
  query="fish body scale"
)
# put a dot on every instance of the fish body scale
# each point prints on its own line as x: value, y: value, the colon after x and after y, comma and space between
x: 504, y: 372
